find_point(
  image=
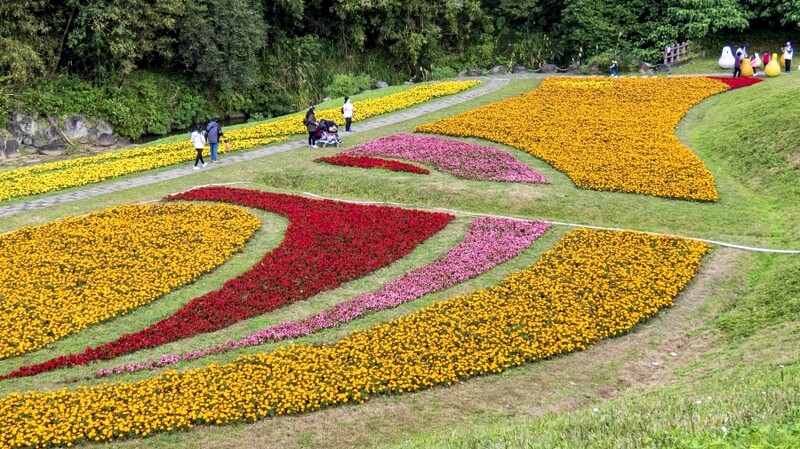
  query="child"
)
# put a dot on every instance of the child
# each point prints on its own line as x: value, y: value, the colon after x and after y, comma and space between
x: 614, y: 68
x: 199, y: 142
x: 754, y: 63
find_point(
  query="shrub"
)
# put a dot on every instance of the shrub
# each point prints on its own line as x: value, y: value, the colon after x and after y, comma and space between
x: 148, y: 103
x: 269, y: 104
x: 626, y: 61
x: 440, y: 73
x: 347, y: 84
x: 481, y: 55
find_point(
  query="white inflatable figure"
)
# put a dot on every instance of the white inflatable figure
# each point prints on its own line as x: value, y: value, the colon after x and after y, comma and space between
x: 726, y: 61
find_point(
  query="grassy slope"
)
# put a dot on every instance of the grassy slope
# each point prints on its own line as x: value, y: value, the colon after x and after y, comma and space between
x: 744, y: 391
x: 495, y: 407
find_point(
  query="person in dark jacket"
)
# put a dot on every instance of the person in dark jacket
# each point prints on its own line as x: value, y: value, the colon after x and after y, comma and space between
x: 213, y: 134
x: 311, y: 125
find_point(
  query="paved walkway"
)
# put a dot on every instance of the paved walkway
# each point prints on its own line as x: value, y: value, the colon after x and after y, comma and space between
x: 489, y: 85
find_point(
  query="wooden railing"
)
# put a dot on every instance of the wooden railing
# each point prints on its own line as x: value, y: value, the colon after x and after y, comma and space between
x: 676, y: 54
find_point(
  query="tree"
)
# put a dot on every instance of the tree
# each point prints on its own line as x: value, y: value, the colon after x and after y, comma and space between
x: 413, y: 31
x: 110, y: 36
x: 219, y: 43
x: 698, y: 18
x: 23, y: 39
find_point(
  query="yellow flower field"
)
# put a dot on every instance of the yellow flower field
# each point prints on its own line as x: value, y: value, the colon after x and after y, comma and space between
x: 614, y: 135
x: 364, y: 109
x: 592, y: 285
x: 59, y: 278
x: 78, y: 172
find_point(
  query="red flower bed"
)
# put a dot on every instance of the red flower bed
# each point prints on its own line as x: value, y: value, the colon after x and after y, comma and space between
x: 735, y: 83
x: 371, y: 162
x: 327, y: 243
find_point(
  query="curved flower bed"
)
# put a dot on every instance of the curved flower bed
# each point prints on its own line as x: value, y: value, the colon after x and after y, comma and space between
x: 460, y: 159
x: 371, y: 162
x: 326, y: 244
x: 488, y: 242
x: 614, y: 135
x: 87, y: 170
x: 78, y: 172
x: 61, y: 277
x: 592, y: 285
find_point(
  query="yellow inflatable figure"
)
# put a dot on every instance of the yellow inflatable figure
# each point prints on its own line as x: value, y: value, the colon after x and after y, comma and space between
x: 747, y: 70
x: 773, y: 67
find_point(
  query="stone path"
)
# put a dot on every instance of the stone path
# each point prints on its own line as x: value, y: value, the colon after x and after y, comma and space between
x: 489, y: 85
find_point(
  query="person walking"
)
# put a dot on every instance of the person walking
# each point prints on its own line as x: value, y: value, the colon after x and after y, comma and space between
x: 311, y: 125
x: 737, y: 64
x: 214, y: 133
x: 788, y: 53
x: 614, y: 68
x: 754, y: 63
x: 347, y: 112
x: 199, y: 143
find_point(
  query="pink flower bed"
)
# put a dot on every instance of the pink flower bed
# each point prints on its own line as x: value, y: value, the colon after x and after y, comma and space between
x: 488, y: 242
x: 461, y: 159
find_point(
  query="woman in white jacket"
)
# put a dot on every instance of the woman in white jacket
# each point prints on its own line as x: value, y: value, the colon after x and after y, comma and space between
x: 347, y: 112
x: 199, y: 143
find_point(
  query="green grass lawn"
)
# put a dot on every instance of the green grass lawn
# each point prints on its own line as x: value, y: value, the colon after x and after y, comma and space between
x: 730, y: 331
x: 706, y: 65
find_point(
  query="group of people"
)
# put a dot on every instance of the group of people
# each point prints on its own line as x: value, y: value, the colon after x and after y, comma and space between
x: 787, y: 51
x: 213, y: 133
x: 313, y: 126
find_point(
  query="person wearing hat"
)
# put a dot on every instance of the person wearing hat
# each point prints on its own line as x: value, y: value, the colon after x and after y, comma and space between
x: 788, y: 53
x: 311, y: 125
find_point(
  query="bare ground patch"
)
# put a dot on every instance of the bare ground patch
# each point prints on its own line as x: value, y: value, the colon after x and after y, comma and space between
x: 794, y: 160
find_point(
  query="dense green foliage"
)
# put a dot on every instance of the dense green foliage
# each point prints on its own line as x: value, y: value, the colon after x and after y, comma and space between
x: 144, y: 104
x: 268, y: 57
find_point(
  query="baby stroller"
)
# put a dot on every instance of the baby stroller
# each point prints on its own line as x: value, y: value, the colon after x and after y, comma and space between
x: 328, y: 133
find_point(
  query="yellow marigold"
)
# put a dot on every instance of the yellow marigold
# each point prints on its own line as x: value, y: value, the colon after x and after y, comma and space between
x: 592, y: 285
x: 59, y: 278
x: 614, y: 135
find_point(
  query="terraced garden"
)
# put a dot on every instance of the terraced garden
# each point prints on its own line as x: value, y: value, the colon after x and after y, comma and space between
x: 551, y: 281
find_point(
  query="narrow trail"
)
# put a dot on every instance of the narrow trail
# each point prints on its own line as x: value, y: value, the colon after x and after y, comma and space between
x: 489, y: 85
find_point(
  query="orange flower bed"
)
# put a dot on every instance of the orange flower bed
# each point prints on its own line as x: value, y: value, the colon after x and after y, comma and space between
x: 591, y: 286
x: 613, y: 135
